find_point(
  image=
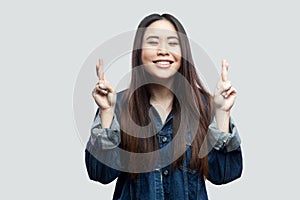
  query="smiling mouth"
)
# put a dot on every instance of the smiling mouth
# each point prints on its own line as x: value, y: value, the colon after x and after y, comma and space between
x: 163, y: 62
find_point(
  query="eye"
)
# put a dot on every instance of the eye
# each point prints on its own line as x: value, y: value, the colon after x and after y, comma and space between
x: 152, y: 42
x: 173, y: 43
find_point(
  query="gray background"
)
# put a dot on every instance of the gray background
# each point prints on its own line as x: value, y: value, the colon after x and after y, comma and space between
x: 44, y: 44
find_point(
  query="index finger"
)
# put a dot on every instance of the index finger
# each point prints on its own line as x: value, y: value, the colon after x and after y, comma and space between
x: 100, y: 69
x: 224, y: 70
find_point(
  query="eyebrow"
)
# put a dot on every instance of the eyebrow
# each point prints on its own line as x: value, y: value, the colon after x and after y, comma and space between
x: 156, y: 37
x: 172, y: 37
x: 151, y: 37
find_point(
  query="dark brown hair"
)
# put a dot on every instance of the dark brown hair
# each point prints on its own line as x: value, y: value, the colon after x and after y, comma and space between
x: 197, y: 106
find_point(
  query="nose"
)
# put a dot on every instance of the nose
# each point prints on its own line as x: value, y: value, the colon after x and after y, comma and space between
x: 162, y: 51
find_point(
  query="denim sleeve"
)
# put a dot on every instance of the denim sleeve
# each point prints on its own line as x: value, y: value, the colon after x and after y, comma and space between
x: 225, y: 158
x: 219, y: 139
x: 107, y: 138
x: 224, y: 167
x: 102, y: 152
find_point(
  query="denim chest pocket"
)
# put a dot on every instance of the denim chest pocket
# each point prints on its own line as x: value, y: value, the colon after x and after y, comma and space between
x: 188, y: 170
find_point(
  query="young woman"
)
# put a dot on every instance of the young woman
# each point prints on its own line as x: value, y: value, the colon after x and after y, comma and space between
x: 165, y: 135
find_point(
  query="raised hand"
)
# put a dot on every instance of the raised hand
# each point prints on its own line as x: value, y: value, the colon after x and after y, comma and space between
x: 104, y: 95
x: 225, y: 94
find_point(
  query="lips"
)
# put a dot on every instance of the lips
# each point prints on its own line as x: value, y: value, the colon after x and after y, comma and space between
x: 163, y: 63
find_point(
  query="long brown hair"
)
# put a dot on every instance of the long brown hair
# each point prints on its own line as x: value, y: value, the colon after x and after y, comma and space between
x: 197, y: 106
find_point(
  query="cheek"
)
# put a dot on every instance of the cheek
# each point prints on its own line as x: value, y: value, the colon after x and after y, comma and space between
x: 147, y: 55
x: 178, y: 61
x: 177, y: 56
x: 179, y: 52
x: 176, y: 53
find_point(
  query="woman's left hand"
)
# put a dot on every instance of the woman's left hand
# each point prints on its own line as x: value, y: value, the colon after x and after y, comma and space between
x: 225, y: 94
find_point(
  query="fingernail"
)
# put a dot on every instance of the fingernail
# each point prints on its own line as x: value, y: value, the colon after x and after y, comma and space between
x: 224, y: 94
x: 101, y: 85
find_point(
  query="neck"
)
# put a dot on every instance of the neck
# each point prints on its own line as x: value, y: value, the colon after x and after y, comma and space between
x: 160, y: 94
x: 162, y: 100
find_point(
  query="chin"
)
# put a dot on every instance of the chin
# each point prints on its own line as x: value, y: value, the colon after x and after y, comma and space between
x: 162, y: 77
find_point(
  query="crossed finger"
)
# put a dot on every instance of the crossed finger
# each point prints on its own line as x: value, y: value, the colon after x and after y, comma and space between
x: 224, y: 70
x: 100, y: 69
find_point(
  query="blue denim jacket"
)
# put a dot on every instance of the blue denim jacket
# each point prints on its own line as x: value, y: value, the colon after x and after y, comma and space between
x: 225, y: 163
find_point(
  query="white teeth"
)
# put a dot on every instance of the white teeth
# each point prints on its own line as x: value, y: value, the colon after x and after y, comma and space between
x: 163, y: 63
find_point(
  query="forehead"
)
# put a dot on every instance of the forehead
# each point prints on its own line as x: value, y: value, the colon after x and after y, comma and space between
x: 161, y: 28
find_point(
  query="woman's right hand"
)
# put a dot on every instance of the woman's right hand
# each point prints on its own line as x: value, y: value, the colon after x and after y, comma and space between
x: 104, y: 95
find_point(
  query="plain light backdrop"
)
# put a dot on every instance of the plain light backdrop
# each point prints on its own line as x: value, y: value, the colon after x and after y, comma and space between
x: 43, y: 45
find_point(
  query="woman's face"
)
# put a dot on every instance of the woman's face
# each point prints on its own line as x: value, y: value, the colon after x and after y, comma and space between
x: 161, y: 52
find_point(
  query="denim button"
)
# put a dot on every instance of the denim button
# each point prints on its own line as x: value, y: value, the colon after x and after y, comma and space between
x: 166, y: 172
x: 164, y: 139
